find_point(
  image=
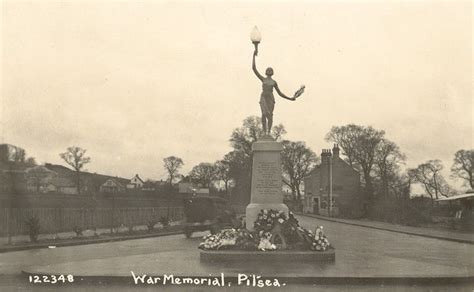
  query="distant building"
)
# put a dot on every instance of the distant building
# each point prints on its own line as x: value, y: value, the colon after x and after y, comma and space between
x: 61, y: 185
x: 346, y: 195
x: 90, y: 182
x: 135, y: 183
x: 112, y: 186
x: 38, y: 179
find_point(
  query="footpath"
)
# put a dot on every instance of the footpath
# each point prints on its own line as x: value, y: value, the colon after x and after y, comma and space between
x: 456, y: 236
x: 21, y: 242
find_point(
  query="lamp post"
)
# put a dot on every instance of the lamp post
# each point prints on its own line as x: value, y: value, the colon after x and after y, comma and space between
x: 255, y: 37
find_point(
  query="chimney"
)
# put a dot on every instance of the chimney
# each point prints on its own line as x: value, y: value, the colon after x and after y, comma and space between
x: 335, y: 150
x: 325, y: 156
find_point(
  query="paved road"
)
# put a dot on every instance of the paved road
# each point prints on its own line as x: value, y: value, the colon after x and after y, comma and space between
x: 360, y: 252
x: 366, y: 247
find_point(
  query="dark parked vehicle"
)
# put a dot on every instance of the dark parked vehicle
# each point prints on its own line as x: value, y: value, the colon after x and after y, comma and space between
x: 206, y: 213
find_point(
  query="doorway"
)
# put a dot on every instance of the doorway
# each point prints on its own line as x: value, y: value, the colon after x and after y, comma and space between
x: 316, y: 206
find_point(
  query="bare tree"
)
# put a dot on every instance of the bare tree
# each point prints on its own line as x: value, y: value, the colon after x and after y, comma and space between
x: 463, y: 166
x: 359, y: 145
x: 203, y: 173
x: 243, y: 137
x: 346, y: 137
x: 31, y: 161
x: 77, y: 159
x: 387, y: 165
x: 297, y: 161
x: 223, y: 171
x: 172, y: 165
x: 429, y: 175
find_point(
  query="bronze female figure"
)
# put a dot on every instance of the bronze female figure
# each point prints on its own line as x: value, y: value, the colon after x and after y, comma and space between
x: 267, y: 101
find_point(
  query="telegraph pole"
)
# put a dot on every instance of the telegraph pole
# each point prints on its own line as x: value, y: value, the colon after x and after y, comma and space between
x: 330, y: 184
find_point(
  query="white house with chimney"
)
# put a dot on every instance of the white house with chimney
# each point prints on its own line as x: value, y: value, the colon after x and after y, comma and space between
x: 135, y: 183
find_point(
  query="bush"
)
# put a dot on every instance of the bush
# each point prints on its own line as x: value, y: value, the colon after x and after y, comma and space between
x: 78, y: 230
x: 150, y: 225
x: 165, y: 221
x: 34, y: 227
x: 130, y: 228
x: 403, y: 212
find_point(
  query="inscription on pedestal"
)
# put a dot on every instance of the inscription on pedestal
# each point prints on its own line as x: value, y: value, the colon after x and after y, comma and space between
x: 268, y: 178
x: 266, y: 181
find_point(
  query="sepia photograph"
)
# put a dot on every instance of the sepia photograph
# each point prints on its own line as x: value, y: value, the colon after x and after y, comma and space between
x: 211, y: 145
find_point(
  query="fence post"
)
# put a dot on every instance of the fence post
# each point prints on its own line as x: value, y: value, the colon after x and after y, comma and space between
x: 9, y: 228
x: 60, y: 220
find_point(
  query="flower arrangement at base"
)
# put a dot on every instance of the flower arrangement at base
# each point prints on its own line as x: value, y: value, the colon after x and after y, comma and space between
x: 272, y: 231
x: 265, y: 243
x: 225, y: 238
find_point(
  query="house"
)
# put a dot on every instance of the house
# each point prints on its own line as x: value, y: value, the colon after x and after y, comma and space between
x: 38, y: 179
x: 135, y: 183
x: 112, y: 186
x: 42, y: 179
x: 61, y: 185
x: 20, y: 176
x: 336, y: 175
x: 90, y: 182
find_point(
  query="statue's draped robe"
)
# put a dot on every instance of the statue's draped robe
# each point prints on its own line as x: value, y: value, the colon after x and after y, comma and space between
x: 267, y: 101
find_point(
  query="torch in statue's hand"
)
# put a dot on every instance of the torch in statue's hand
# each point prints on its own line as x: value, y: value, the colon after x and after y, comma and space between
x: 299, y: 92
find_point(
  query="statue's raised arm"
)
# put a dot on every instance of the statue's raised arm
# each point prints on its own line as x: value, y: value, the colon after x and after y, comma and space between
x: 254, y: 66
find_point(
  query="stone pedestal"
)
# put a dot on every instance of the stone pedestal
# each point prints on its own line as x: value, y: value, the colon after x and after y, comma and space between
x: 266, y: 192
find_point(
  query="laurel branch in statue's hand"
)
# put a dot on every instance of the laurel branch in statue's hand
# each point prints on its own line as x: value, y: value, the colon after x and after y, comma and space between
x: 299, y: 92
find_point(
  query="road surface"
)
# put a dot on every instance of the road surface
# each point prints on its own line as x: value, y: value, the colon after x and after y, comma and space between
x: 359, y: 252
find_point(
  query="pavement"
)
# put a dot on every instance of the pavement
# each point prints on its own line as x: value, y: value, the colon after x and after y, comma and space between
x: 456, y: 236
x: 22, y: 242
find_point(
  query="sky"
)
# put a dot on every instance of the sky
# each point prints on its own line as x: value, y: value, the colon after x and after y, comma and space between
x: 134, y: 82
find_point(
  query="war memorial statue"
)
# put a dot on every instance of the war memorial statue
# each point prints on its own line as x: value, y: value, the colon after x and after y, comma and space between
x: 267, y: 100
x: 269, y: 225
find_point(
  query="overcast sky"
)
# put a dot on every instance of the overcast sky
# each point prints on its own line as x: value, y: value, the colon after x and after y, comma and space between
x: 135, y: 82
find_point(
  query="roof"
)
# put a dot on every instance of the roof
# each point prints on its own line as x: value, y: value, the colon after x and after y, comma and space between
x: 98, y: 179
x: 39, y: 169
x: 59, y: 169
x: 457, y: 197
x: 112, y: 182
x: 335, y: 158
x: 138, y: 177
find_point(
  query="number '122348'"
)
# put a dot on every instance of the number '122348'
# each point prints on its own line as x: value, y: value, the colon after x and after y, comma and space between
x: 50, y: 279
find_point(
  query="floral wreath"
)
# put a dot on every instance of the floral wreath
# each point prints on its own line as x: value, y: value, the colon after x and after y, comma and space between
x: 273, y: 230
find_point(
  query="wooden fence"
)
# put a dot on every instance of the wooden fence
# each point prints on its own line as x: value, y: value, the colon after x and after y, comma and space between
x: 53, y: 220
